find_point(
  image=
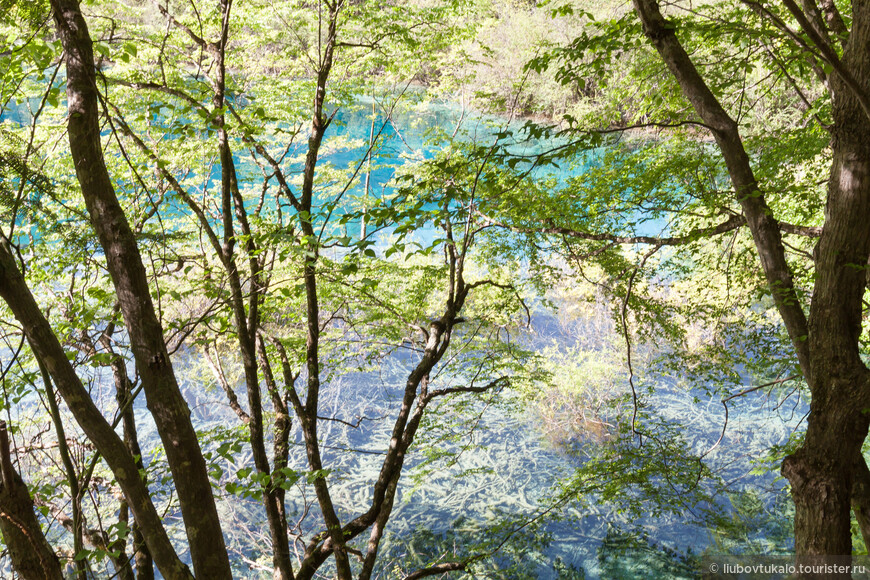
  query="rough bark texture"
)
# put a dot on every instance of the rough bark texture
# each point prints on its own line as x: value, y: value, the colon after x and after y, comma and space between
x: 821, y: 472
x: 32, y: 557
x: 164, y: 399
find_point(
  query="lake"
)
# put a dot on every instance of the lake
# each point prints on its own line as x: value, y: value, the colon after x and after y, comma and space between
x: 502, y: 464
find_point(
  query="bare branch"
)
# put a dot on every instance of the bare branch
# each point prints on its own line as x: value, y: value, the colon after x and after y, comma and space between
x: 440, y: 569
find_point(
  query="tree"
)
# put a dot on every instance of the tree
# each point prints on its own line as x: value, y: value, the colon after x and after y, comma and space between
x: 716, y: 67
x: 169, y: 244
x: 241, y: 257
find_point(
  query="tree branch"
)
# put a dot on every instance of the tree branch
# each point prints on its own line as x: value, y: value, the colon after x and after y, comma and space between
x: 45, y: 346
x: 442, y: 568
x: 830, y: 56
x: 765, y: 229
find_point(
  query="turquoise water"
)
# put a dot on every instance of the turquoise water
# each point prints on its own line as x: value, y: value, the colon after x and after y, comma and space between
x: 514, y: 470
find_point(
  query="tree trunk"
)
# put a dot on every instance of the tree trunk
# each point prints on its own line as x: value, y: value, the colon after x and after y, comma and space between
x: 31, y: 555
x: 164, y: 399
x: 308, y: 414
x: 144, y: 564
x: 69, y: 467
x: 821, y: 472
x: 827, y: 344
x: 46, y: 347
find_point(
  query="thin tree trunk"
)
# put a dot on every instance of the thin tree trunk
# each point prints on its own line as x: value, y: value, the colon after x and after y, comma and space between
x: 45, y: 346
x: 404, y: 429
x: 362, y: 229
x: 71, y: 475
x: 170, y: 411
x: 143, y: 562
x: 308, y: 413
x: 31, y: 555
x: 246, y: 323
x: 123, y: 563
x: 759, y: 218
x: 281, y: 449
